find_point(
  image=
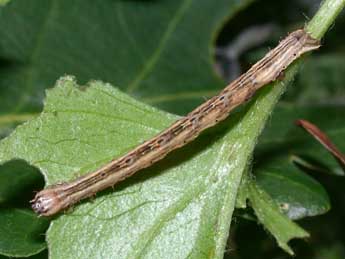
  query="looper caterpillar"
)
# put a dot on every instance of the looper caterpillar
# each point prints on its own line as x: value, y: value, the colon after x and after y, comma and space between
x: 58, y: 197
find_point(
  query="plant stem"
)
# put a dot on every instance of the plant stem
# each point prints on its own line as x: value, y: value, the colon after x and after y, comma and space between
x: 324, y: 17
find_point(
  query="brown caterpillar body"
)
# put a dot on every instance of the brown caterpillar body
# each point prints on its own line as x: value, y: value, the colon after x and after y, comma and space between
x: 56, y: 198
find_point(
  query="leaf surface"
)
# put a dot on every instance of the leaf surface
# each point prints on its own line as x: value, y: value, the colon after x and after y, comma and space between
x: 270, y: 216
x: 189, y: 196
x: 157, y: 51
x: 285, y: 154
x: 17, y: 182
x: 321, y: 82
x: 22, y: 233
x: 55, y: 41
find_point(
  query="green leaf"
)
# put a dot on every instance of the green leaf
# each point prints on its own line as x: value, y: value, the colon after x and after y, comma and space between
x: 41, y: 255
x: 151, y: 49
x: 335, y: 251
x: 268, y: 213
x: 283, y: 139
x: 242, y: 196
x: 285, y: 151
x: 21, y: 232
x: 326, y: 73
x: 198, y: 186
x: 18, y: 180
x: 186, y: 195
x: 297, y: 194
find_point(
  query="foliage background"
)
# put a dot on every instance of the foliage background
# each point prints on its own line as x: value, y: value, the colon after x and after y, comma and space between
x: 318, y: 94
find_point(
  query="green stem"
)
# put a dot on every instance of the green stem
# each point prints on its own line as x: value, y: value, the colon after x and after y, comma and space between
x: 324, y: 17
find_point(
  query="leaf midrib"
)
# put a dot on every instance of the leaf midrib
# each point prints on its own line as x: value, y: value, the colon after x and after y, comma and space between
x: 29, y: 72
x: 150, y: 64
